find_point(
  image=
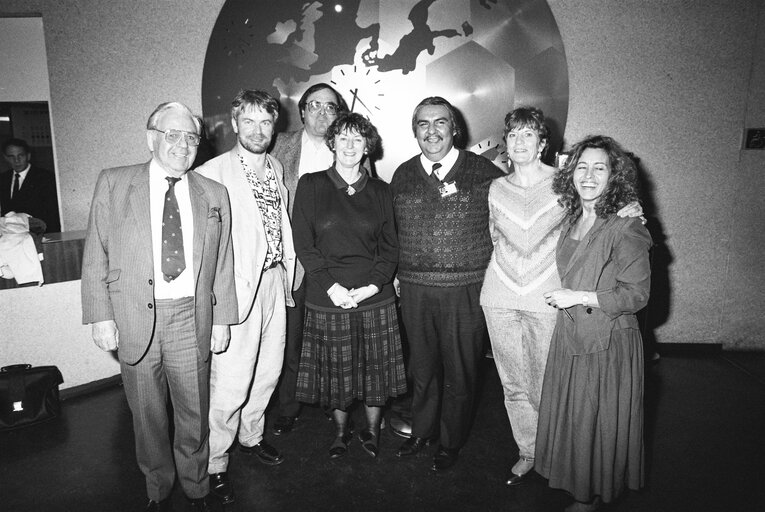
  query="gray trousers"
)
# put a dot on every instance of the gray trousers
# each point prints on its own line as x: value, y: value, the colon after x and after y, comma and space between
x: 172, y: 364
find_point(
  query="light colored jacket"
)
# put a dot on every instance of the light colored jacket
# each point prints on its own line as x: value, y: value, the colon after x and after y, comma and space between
x: 247, y: 231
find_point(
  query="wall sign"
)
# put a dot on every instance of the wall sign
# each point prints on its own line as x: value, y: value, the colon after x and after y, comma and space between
x: 485, y: 56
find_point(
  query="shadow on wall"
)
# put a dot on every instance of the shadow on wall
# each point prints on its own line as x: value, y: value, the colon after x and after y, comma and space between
x: 656, y: 313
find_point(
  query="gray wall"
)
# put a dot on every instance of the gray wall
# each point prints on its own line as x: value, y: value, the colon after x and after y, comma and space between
x: 675, y: 81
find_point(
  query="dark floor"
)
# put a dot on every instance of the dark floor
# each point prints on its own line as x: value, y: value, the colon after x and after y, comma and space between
x: 705, y: 438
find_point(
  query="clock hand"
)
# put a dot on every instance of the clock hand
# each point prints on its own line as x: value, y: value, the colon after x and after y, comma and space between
x: 355, y: 98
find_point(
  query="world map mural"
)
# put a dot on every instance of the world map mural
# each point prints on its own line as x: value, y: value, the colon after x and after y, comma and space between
x: 485, y: 56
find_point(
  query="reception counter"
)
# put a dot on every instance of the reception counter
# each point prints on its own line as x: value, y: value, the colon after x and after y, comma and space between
x: 62, y: 259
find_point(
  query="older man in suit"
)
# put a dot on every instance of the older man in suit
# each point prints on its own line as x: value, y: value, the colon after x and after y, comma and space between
x: 300, y: 152
x: 27, y: 188
x: 244, y: 377
x: 158, y: 284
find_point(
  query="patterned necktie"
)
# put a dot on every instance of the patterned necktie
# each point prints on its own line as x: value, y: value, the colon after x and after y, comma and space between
x: 16, y: 184
x: 173, y: 260
x: 433, y: 174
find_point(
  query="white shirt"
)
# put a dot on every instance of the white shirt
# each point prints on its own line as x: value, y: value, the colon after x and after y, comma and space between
x: 21, y: 178
x: 447, y: 162
x: 314, y: 157
x: 183, y: 285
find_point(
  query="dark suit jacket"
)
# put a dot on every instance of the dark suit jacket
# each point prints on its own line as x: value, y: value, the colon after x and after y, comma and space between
x: 613, y: 261
x: 118, y: 267
x: 36, y: 197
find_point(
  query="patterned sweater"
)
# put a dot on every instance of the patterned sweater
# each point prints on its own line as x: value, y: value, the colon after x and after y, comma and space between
x: 443, y: 241
x: 525, y: 225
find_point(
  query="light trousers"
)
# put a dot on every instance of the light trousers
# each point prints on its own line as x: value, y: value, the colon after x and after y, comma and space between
x: 243, y: 377
x: 520, y: 341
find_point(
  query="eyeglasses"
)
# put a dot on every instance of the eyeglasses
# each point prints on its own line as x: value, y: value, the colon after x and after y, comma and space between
x: 174, y: 137
x: 326, y: 108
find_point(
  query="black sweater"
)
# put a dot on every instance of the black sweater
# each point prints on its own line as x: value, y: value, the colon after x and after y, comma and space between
x: 346, y: 239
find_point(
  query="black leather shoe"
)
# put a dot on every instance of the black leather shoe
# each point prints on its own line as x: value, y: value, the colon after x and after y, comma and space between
x: 199, y: 504
x: 221, y: 488
x: 444, y: 458
x: 165, y: 505
x: 369, y: 442
x: 513, y: 479
x: 516, y: 478
x: 339, y: 446
x: 266, y: 453
x: 412, y: 446
x: 284, y: 425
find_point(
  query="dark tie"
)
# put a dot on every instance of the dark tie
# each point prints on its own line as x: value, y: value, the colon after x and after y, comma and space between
x: 16, y: 184
x: 173, y: 261
x: 433, y: 174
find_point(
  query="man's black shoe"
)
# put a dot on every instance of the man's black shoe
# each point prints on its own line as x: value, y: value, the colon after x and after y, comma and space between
x: 199, y: 504
x: 221, y: 488
x: 412, y: 446
x: 165, y: 505
x: 284, y: 425
x: 445, y: 458
x: 266, y: 453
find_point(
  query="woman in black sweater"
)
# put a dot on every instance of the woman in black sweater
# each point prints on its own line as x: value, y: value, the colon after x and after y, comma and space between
x: 345, y: 237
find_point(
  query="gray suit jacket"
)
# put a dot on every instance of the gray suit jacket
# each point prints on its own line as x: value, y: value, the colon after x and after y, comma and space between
x: 118, y: 267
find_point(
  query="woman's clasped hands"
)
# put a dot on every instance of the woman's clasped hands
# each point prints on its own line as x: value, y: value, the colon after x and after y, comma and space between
x: 348, y: 299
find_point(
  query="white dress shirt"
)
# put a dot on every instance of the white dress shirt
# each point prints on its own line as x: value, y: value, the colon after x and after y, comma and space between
x: 21, y: 178
x: 447, y: 162
x: 183, y: 285
x: 314, y: 157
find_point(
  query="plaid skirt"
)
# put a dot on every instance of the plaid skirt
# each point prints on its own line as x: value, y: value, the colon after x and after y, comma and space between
x: 349, y: 355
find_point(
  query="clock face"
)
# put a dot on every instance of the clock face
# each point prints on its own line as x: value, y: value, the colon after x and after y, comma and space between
x: 384, y: 56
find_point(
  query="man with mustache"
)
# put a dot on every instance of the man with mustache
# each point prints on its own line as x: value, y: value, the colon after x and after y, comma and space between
x: 440, y: 199
x: 243, y: 378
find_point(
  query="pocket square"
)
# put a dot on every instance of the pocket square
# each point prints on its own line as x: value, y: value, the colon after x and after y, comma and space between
x: 214, y: 213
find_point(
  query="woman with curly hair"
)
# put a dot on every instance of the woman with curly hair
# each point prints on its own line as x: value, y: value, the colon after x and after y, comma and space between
x: 345, y: 237
x: 590, y: 432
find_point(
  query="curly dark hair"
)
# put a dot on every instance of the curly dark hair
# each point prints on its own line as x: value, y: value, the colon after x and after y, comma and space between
x: 353, y: 122
x: 528, y: 117
x: 622, y: 186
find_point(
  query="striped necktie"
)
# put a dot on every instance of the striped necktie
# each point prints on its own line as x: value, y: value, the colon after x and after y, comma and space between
x: 434, y: 175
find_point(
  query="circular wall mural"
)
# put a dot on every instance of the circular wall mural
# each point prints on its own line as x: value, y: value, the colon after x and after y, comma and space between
x: 485, y: 56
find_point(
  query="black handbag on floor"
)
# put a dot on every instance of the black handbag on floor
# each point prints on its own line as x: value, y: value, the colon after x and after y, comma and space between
x: 28, y: 395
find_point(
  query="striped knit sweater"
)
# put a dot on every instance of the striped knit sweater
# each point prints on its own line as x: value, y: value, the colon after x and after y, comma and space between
x: 443, y: 241
x: 525, y: 225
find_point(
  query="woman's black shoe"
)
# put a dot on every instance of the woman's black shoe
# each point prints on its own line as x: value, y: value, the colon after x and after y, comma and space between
x: 369, y: 442
x: 340, y: 445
